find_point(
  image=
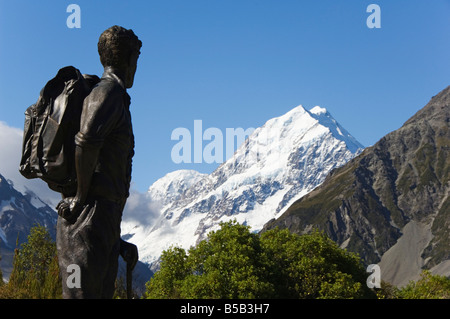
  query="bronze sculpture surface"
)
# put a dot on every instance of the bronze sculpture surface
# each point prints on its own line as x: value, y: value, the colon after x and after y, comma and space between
x: 88, y: 229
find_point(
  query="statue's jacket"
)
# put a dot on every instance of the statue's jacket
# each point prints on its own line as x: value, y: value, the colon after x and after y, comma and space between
x: 92, y: 241
x: 106, y: 126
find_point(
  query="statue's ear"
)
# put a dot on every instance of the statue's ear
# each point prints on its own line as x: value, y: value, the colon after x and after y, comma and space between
x: 133, y: 56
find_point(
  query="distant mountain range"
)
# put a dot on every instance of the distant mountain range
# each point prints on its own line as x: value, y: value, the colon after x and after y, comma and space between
x: 279, y: 162
x: 391, y: 203
x: 18, y: 213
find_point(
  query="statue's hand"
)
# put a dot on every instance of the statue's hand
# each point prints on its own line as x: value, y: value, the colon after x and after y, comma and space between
x: 69, y: 208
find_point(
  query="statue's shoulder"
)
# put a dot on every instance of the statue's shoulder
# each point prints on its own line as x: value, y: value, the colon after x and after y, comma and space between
x: 106, y: 89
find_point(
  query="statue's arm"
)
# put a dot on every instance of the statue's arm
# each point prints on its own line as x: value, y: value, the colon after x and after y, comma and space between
x: 97, y: 119
x: 85, y: 162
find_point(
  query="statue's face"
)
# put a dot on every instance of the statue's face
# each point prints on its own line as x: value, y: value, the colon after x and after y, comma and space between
x: 131, y: 71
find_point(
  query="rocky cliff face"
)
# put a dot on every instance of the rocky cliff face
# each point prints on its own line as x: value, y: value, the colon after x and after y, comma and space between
x: 404, y: 178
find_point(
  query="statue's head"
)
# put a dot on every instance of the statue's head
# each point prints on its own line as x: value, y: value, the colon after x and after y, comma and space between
x: 119, y: 48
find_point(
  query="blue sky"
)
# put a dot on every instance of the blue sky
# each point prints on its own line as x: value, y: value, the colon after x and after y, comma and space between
x: 236, y: 63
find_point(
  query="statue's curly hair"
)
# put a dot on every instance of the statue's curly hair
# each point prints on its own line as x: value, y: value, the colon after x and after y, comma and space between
x: 115, y: 46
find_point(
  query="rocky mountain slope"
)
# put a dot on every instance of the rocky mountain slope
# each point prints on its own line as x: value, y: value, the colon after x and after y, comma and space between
x: 391, y: 203
x: 18, y: 213
x: 279, y: 162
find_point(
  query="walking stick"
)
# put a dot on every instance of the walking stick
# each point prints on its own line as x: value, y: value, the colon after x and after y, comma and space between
x: 129, y: 253
x: 129, y: 281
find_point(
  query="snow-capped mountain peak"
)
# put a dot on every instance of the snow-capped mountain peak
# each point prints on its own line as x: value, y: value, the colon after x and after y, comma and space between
x: 324, y: 117
x: 317, y: 110
x: 279, y: 162
x: 170, y: 187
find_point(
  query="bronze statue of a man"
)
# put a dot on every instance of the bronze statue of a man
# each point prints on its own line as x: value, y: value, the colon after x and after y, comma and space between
x: 88, y: 229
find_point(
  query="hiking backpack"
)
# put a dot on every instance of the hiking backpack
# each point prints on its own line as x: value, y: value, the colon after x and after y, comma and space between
x: 48, y: 149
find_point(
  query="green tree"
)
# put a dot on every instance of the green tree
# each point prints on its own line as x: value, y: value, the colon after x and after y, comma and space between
x: 387, y: 291
x: 229, y: 264
x: 235, y: 263
x: 35, y: 271
x: 166, y: 283
x: 427, y: 287
x: 313, y: 266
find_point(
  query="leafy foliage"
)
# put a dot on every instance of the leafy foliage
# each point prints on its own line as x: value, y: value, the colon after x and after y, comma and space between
x: 429, y: 286
x: 312, y: 266
x: 231, y: 263
x: 35, y: 271
x: 235, y: 263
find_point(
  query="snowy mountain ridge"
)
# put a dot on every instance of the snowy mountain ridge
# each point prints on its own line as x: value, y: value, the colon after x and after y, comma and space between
x: 19, y: 212
x: 280, y: 162
x: 169, y: 189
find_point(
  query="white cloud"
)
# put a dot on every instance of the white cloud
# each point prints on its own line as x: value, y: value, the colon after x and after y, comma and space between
x: 10, y: 148
x: 10, y: 155
x: 141, y: 209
